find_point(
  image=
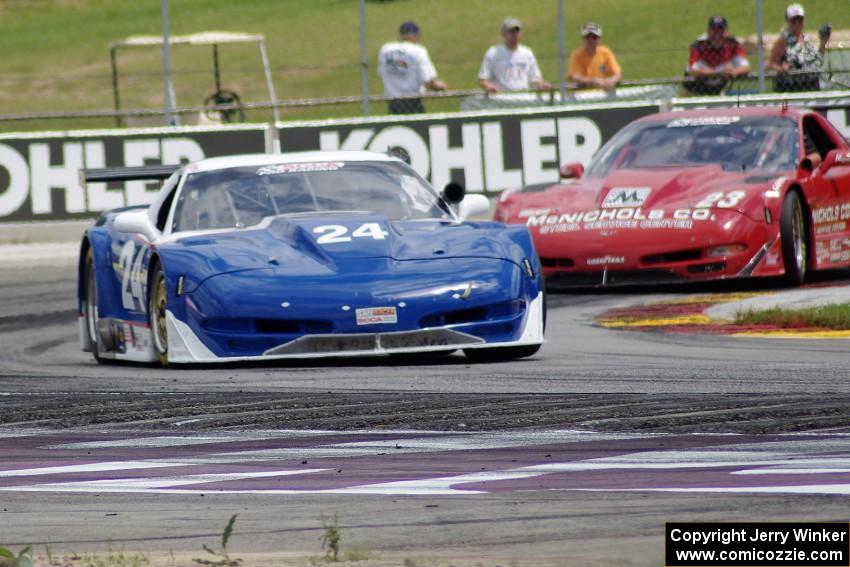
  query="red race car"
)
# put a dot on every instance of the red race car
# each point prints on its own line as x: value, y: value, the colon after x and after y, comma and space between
x: 696, y: 195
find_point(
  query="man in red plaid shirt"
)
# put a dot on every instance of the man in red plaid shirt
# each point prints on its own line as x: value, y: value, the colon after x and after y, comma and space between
x: 715, y: 59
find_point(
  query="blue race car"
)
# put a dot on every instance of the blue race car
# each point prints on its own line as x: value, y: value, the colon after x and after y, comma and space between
x: 314, y: 254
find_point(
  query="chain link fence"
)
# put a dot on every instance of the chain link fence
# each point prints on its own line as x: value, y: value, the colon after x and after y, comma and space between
x: 445, y: 102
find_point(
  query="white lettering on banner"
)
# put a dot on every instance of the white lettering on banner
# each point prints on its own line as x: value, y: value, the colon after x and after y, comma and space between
x: 497, y: 176
x: 46, y: 177
x: 13, y: 196
x: 410, y: 141
x: 535, y: 153
x: 356, y: 140
x: 99, y: 197
x: 838, y: 117
x: 466, y: 157
x: 481, y: 152
x: 136, y: 152
x: 179, y: 150
x: 578, y: 139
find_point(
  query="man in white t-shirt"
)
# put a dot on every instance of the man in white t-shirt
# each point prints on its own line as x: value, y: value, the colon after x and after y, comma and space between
x: 510, y: 66
x: 407, y: 70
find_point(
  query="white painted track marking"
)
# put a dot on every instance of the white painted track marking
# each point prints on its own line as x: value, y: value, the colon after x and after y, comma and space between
x: 93, y: 467
x: 782, y: 455
x: 153, y: 484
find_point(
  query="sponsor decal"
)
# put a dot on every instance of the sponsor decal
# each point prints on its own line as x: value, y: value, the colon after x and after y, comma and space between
x: 300, y: 167
x: 627, y: 218
x: 774, y: 189
x: 132, y: 337
x: 703, y: 121
x: 626, y: 197
x: 833, y: 251
x: 525, y: 213
x: 376, y: 315
x: 830, y: 228
x: 835, y: 213
x: 605, y: 260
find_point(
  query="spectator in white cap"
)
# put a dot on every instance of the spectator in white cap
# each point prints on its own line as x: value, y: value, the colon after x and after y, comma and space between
x: 510, y: 66
x: 406, y: 70
x: 592, y: 64
x: 794, y: 57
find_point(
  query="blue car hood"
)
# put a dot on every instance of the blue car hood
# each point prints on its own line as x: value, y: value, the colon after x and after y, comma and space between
x: 328, y: 244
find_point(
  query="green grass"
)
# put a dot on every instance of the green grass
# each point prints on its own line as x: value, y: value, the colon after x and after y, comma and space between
x: 836, y: 317
x: 56, y: 55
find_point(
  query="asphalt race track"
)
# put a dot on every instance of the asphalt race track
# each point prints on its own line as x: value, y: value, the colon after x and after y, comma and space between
x: 578, y: 455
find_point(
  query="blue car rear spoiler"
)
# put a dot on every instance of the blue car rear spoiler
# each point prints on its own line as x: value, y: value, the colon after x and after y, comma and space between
x: 150, y: 172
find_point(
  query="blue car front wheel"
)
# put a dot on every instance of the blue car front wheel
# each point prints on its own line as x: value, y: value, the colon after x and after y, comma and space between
x: 157, y: 310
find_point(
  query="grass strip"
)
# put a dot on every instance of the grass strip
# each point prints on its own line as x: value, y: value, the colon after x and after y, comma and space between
x: 835, y: 317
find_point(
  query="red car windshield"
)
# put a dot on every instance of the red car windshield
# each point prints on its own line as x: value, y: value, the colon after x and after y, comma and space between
x: 736, y: 143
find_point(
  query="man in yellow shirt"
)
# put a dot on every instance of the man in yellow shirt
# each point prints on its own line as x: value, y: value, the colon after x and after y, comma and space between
x: 593, y: 65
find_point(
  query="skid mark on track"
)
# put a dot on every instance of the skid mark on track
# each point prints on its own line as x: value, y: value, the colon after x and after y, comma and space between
x: 407, y: 463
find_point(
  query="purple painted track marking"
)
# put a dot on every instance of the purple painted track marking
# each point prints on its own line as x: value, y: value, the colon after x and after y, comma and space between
x: 428, y: 463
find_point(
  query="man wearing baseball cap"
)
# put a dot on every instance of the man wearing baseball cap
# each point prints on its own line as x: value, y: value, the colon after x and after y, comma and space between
x: 406, y: 70
x: 715, y: 59
x: 510, y: 66
x: 592, y: 64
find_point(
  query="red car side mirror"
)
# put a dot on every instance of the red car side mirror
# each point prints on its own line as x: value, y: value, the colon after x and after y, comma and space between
x: 808, y: 164
x: 571, y: 170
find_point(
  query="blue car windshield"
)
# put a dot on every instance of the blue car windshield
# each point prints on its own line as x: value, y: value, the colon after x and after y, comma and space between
x: 736, y: 143
x: 244, y: 196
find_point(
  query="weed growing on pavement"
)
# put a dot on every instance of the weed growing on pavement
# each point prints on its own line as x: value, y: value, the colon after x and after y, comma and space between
x: 21, y: 559
x: 356, y: 553
x: 118, y: 559
x: 224, y: 559
x: 331, y: 537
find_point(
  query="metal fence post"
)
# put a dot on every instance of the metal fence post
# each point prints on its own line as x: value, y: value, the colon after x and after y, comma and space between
x: 364, y: 64
x: 562, y: 53
x: 166, y: 68
x: 760, y: 42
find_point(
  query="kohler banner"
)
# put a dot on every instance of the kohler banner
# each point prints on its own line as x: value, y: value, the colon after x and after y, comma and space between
x: 39, y: 173
x: 486, y: 152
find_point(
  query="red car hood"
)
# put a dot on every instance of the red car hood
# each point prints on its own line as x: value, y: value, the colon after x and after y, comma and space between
x: 661, y: 219
x: 660, y: 188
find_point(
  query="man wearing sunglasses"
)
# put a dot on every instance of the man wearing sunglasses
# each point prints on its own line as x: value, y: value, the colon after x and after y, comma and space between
x: 794, y: 57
